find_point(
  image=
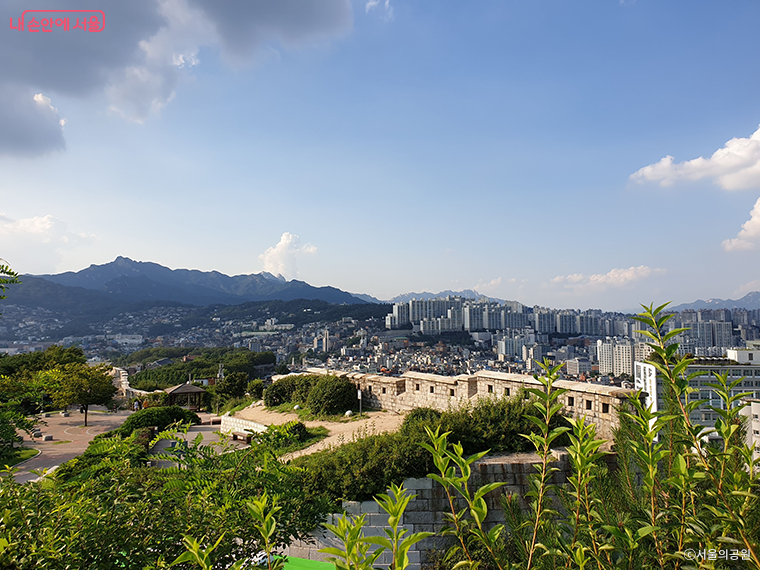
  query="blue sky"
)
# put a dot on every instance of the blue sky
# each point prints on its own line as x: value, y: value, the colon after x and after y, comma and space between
x: 515, y: 147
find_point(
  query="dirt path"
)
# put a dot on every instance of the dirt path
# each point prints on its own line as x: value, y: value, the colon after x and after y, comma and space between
x: 338, y: 432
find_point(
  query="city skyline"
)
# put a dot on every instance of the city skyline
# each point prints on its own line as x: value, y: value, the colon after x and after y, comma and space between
x: 593, y: 155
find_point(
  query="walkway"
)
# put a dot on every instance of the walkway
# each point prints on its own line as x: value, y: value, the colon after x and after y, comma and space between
x: 70, y: 438
x: 338, y: 433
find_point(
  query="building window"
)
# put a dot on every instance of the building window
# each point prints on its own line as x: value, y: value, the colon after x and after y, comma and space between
x: 383, y: 390
x: 451, y: 392
x: 490, y: 389
x: 506, y: 391
x: 588, y: 404
x: 369, y: 389
x: 570, y: 401
x: 750, y: 356
x: 432, y: 389
x: 605, y: 408
x: 417, y: 387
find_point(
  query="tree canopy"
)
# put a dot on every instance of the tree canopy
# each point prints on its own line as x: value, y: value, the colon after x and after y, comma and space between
x: 81, y: 384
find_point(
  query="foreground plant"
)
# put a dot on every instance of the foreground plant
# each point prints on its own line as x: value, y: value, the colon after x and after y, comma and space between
x: 357, y: 552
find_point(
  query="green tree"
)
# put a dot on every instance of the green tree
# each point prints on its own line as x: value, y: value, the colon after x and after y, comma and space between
x: 7, y: 277
x: 81, y: 384
x: 12, y: 421
x: 233, y: 385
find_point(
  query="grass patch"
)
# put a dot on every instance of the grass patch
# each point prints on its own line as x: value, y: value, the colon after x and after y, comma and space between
x: 22, y: 454
x: 235, y: 405
x: 305, y: 415
x: 315, y: 434
x: 62, y: 442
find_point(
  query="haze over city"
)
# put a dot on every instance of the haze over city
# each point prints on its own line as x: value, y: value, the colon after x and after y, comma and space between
x: 569, y: 155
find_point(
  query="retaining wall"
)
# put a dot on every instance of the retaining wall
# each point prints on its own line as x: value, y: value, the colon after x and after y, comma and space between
x: 425, y: 513
x: 232, y: 424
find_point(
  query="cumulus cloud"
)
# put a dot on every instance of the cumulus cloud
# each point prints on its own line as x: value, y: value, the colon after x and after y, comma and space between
x: 139, y: 58
x: 282, y: 259
x: 749, y: 235
x: 736, y: 166
x: 37, y: 241
x: 613, y: 278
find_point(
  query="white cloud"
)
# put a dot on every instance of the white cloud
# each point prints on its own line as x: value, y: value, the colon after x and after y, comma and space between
x: 747, y: 288
x: 613, y: 278
x: 387, y: 8
x: 38, y: 242
x: 749, y: 235
x: 736, y: 166
x: 282, y: 258
x: 142, y: 56
x: 488, y: 286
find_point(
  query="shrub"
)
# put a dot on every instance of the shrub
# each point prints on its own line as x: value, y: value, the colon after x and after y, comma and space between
x: 332, y: 395
x: 235, y: 405
x: 294, y: 388
x: 256, y: 389
x: 158, y: 417
x: 304, y: 386
x: 102, y: 451
x: 278, y: 393
x: 363, y: 468
x: 416, y: 421
x: 297, y: 430
x: 358, y: 470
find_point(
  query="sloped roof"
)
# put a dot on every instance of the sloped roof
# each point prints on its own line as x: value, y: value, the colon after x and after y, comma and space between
x: 184, y: 389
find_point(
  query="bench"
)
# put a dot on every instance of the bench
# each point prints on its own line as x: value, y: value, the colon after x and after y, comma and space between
x: 242, y: 436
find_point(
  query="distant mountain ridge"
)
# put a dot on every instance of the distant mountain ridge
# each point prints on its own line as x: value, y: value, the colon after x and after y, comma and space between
x: 133, y: 281
x: 466, y: 293
x: 749, y: 301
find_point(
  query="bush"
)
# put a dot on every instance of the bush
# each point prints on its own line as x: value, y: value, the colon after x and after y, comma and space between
x: 235, y: 405
x: 332, y: 395
x: 297, y: 430
x: 419, y: 418
x: 256, y: 389
x: 294, y: 388
x: 278, y: 393
x: 361, y: 469
x: 158, y: 417
x: 358, y: 470
x: 102, y: 451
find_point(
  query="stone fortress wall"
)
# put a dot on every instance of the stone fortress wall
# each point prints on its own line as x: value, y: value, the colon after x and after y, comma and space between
x: 598, y: 403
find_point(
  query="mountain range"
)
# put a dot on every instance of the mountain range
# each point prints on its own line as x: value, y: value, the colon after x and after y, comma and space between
x: 749, y: 301
x: 128, y: 281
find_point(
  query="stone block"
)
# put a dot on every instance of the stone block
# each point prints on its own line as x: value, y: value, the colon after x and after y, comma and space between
x: 418, y: 484
x: 374, y: 531
x: 47, y: 438
x: 370, y: 507
x: 418, y: 505
x: 420, y: 517
x: 352, y: 507
x: 414, y: 557
x: 64, y: 414
x: 379, y: 519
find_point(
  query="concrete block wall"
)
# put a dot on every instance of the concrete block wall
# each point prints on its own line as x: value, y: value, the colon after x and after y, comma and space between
x: 232, y: 424
x: 425, y: 513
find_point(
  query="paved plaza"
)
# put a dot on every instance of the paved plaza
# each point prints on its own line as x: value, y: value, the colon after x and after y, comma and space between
x: 71, y: 438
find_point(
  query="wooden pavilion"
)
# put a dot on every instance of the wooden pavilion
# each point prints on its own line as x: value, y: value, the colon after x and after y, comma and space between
x: 186, y: 395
